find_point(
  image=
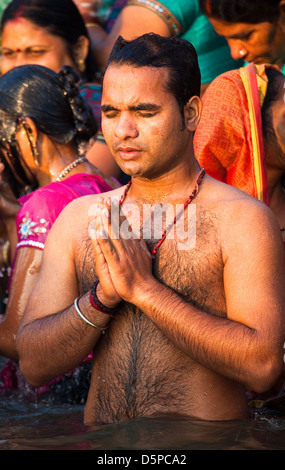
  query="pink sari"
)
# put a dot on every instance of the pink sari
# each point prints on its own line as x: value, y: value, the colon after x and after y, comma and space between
x: 41, y: 208
x: 39, y: 211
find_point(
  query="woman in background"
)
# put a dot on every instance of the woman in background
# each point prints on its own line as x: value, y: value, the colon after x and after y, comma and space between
x: 181, y: 18
x: 52, y: 33
x: 44, y: 127
x: 253, y: 29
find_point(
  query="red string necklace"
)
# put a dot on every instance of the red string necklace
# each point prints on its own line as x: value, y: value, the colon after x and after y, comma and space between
x: 188, y: 201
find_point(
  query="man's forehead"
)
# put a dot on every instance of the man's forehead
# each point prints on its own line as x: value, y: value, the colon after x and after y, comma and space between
x: 128, y: 75
x: 126, y: 86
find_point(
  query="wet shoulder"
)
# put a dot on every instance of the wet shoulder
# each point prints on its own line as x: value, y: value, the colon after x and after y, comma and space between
x: 240, y: 218
x: 80, y: 208
x: 79, y: 216
x: 71, y: 226
x: 227, y: 200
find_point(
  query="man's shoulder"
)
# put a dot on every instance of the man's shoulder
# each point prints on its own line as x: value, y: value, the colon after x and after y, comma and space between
x: 73, y: 221
x: 222, y: 193
x: 235, y: 207
x: 71, y: 226
x: 83, y: 205
x: 242, y: 219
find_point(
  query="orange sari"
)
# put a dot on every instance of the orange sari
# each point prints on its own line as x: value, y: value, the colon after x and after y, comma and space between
x: 229, y: 144
x: 228, y: 141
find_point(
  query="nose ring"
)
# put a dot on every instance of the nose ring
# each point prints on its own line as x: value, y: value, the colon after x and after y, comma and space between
x: 242, y: 52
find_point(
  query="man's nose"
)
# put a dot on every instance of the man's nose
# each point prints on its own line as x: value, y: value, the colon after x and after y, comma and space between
x: 126, y: 128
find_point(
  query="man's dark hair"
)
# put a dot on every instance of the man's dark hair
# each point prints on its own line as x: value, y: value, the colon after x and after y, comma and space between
x: 242, y: 11
x: 177, y: 55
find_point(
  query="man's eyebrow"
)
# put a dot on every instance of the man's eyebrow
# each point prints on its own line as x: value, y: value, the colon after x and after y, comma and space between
x: 145, y: 107
x: 107, y: 107
x: 139, y: 107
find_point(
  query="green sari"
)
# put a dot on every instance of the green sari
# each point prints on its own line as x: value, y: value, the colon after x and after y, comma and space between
x: 185, y: 20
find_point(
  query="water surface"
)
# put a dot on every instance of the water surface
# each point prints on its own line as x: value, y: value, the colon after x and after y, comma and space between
x: 47, y: 426
x: 29, y: 422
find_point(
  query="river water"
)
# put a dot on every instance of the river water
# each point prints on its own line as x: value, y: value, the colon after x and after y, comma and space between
x: 39, y: 424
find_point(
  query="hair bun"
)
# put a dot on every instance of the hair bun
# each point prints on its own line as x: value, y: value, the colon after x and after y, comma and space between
x: 69, y: 81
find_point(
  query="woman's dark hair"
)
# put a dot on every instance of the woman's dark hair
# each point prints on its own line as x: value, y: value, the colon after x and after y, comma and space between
x: 54, y: 104
x: 174, y: 54
x: 275, y: 91
x: 242, y: 11
x: 60, y: 18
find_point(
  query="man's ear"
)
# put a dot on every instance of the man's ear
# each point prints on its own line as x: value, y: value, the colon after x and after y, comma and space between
x: 192, y: 113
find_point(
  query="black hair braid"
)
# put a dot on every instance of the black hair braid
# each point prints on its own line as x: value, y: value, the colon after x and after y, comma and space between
x: 84, y: 123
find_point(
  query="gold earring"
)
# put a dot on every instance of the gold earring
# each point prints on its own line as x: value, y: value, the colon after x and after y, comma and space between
x: 32, y: 143
x: 81, y: 65
x: 35, y: 152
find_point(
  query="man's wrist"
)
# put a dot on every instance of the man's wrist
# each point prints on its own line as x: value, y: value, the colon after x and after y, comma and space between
x: 144, y: 292
x: 99, y: 301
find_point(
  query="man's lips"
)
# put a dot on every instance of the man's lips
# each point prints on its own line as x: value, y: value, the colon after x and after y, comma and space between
x: 128, y: 153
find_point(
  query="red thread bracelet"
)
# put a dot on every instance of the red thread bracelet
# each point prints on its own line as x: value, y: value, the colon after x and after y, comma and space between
x: 95, y: 302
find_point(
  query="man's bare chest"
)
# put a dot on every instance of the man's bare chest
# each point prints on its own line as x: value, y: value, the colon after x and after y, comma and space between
x: 196, y: 274
x: 137, y: 370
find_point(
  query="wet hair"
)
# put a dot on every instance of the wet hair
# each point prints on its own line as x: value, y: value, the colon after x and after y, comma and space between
x: 52, y: 101
x: 275, y: 91
x: 242, y: 11
x: 60, y: 18
x: 175, y: 54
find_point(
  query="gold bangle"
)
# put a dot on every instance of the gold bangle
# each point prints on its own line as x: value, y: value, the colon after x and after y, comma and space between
x: 6, y: 248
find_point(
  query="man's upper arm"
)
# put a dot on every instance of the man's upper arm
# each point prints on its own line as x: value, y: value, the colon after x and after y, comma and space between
x: 254, y: 270
x: 56, y: 286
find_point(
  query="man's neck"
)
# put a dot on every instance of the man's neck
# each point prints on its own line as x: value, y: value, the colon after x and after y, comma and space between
x: 173, y: 186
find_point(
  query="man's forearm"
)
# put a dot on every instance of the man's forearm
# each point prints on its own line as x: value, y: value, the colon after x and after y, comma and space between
x: 53, y: 345
x: 227, y: 347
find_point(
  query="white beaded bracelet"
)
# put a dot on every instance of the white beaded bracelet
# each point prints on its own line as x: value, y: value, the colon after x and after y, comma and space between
x: 101, y: 328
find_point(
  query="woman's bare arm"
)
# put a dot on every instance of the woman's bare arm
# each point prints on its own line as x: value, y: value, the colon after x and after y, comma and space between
x: 26, y: 270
